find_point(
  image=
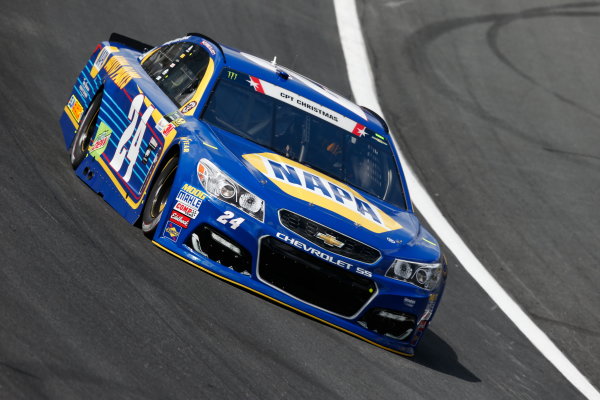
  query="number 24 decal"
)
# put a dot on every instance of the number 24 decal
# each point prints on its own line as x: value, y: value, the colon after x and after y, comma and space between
x: 134, y: 149
x: 227, y: 218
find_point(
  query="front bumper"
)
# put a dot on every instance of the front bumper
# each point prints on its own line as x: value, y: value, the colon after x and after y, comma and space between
x: 339, y: 292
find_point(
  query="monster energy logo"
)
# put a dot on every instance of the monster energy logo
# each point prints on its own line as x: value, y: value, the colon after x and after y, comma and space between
x: 232, y: 75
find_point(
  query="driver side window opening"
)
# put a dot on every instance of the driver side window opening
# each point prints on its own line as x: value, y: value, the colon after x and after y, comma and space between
x: 177, y: 69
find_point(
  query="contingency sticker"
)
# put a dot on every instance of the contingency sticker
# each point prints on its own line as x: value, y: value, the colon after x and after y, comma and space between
x: 190, y: 196
x: 186, y: 210
x: 100, y: 141
x: 75, y: 108
x: 180, y: 219
x: 172, y: 231
x: 101, y: 59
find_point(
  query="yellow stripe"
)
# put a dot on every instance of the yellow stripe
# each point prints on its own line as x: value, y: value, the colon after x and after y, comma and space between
x: 279, y: 302
x: 73, y: 121
x: 148, y: 55
x: 201, y: 87
x: 429, y: 241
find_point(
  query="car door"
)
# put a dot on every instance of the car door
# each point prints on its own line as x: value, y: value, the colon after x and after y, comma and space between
x: 140, y: 108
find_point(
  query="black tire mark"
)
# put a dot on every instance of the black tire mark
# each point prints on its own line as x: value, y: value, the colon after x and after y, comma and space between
x: 416, y: 49
x: 494, y: 30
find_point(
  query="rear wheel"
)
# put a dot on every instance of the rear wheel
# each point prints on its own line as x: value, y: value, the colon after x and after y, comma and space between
x: 158, y: 196
x: 79, y: 149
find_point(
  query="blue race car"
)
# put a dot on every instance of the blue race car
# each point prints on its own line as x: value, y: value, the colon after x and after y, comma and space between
x: 261, y: 177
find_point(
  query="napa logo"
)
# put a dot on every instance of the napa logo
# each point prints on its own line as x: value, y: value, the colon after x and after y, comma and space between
x: 314, y: 187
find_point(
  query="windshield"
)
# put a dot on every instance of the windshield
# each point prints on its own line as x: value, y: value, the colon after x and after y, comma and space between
x: 305, y: 132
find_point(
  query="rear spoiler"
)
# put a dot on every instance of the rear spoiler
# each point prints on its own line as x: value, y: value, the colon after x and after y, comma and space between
x: 129, y: 42
x: 143, y: 47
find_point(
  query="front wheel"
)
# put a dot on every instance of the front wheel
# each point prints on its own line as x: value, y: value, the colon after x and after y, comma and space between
x: 158, y: 196
x: 83, y: 136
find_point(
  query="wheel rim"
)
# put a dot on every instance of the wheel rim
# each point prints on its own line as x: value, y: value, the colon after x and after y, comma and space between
x: 162, y: 194
x: 82, y: 140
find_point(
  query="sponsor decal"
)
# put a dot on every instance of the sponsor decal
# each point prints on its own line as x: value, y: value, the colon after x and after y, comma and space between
x: 193, y: 191
x: 409, y: 302
x: 100, y: 140
x: 186, y: 144
x: 75, y: 108
x: 330, y: 240
x: 176, y: 118
x: 101, y: 60
x: 313, y: 251
x: 119, y: 71
x: 186, y: 210
x: 149, y: 150
x: 307, y: 105
x: 168, y: 129
x: 314, y: 187
x: 188, y: 107
x: 179, y: 219
x: 84, y: 88
x: 301, y: 102
x: 314, y: 86
x: 172, y: 231
x: 169, y: 122
x: 164, y: 127
x: 209, y: 46
x: 190, y: 196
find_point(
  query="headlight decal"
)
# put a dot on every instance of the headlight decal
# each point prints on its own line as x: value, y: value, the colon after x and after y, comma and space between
x: 221, y: 186
x: 426, y: 276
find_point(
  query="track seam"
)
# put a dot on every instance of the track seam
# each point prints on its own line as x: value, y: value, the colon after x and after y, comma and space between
x: 363, y: 88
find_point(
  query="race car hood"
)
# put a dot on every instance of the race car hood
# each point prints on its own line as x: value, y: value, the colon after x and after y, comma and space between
x: 297, y: 187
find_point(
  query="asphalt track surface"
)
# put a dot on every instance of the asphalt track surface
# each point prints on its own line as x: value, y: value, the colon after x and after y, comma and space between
x: 495, y: 105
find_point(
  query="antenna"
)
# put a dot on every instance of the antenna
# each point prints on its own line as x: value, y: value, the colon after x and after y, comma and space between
x: 274, y: 62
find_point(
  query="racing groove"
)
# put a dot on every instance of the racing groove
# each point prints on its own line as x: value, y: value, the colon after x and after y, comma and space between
x: 90, y: 309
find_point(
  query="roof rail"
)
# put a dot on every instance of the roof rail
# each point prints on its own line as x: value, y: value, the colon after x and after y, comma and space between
x: 210, y: 40
x: 378, y: 117
x: 129, y: 42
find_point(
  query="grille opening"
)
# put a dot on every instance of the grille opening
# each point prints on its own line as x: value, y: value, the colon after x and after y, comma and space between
x: 391, y: 323
x: 219, y: 247
x: 309, y: 230
x: 312, y: 279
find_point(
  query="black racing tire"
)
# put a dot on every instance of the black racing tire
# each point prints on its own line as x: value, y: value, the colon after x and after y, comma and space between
x: 158, y: 196
x: 79, y: 148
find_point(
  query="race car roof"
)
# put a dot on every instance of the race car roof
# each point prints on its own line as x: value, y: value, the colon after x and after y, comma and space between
x: 295, y: 82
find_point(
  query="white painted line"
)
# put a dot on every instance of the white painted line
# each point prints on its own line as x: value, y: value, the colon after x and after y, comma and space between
x: 363, y: 88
